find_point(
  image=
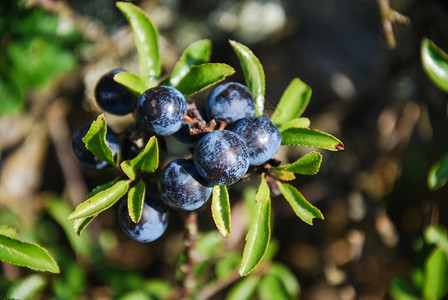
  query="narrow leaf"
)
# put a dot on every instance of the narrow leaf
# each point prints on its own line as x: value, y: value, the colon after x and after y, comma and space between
x: 244, y: 289
x: 293, y: 102
x: 221, y: 209
x: 200, y: 77
x: 295, y: 123
x: 257, y: 239
x: 26, y: 254
x: 147, y: 160
x: 95, y: 140
x: 438, y: 174
x: 8, y: 231
x: 131, y: 81
x: 136, y: 199
x: 27, y: 288
x: 311, y: 138
x: 271, y: 287
x: 308, y: 164
x: 436, y: 275
x: 253, y: 74
x: 196, y: 53
x: 146, y: 40
x: 435, y: 63
x: 437, y: 235
x: 401, y: 288
x: 284, y: 175
x: 287, y: 278
x: 303, y: 209
x: 101, y: 201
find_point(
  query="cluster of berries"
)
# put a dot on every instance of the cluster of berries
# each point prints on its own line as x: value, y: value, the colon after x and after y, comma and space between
x: 229, y: 139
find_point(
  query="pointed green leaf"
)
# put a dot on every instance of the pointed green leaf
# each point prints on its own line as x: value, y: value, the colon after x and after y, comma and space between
x: 101, y: 201
x: 200, y: 77
x: 287, y: 278
x: 436, y: 275
x: 133, y: 82
x: 147, y: 160
x: 146, y: 39
x: 196, y: 53
x: 257, y: 239
x: 284, y: 175
x: 27, y: 288
x: 26, y: 254
x: 303, y: 209
x: 271, y: 287
x: 295, y: 123
x: 8, y: 231
x: 244, y: 289
x: 253, y: 74
x: 293, y: 102
x: 136, y: 199
x: 311, y: 138
x: 221, y: 209
x: 59, y: 211
x: 95, y: 140
x: 401, y: 288
x: 80, y: 224
x: 308, y: 164
x: 435, y: 63
x: 438, y: 174
x: 437, y: 235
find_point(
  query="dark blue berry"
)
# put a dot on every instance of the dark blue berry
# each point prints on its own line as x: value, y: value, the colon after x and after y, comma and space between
x: 181, y: 186
x: 261, y: 136
x: 160, y: 110
x: 229, y: 102
x: 221, y: 157
x: 84, y: 156
x: 152, y: 224
x: 113, y: 97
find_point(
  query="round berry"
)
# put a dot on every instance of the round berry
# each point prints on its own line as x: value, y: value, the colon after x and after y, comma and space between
x: 261, y: 136
x: 152, y: 224
x: 221, y: 157
x: 160, y: 110
x: 113, y: 97
x: 181, y: 187
x: 84, y: 156
x: 229, y: 102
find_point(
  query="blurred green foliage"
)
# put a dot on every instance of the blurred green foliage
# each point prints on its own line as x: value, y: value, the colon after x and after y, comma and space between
x: 36, y: 47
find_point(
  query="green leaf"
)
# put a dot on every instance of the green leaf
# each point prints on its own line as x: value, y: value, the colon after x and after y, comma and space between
x: 284, y: 175
x: 244, y: 289
x: 257, y: 239
x: 59, y: 211
x: 8, y: 231
x: 303, y: 209
x: 293, y: 102
x: 80, y: 224
x: 146, y: 40
x: 287, y: 278
x: 253, y: 74
x: 295, y: 123
x: 101, y: 201
x: 227, y: 266
x: 308, y: 164
x: 436, y: 275
x: 221, y: 209
x: 196, y: 53
x: 209, y: 243
x: 133, y: 82
x: 95, y: 140
x: 136, y: 199
x: 401, y: 288
x: 270, y: 288
x: 311, y: 138
x: 438, y: 174
x: 147, y: 160
x: 437, y: 235
x: 200, y: 77
x: 26, y: 254
x: 27, y: 288
x: 435, y: 63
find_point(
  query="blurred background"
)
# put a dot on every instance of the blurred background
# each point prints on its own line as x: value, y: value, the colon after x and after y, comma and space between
x: 369, y: 90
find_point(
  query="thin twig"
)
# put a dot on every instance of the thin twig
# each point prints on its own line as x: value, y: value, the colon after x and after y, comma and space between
x: 390, y: 16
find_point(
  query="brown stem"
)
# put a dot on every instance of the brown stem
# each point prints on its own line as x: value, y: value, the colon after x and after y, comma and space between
x: 189, y: 281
